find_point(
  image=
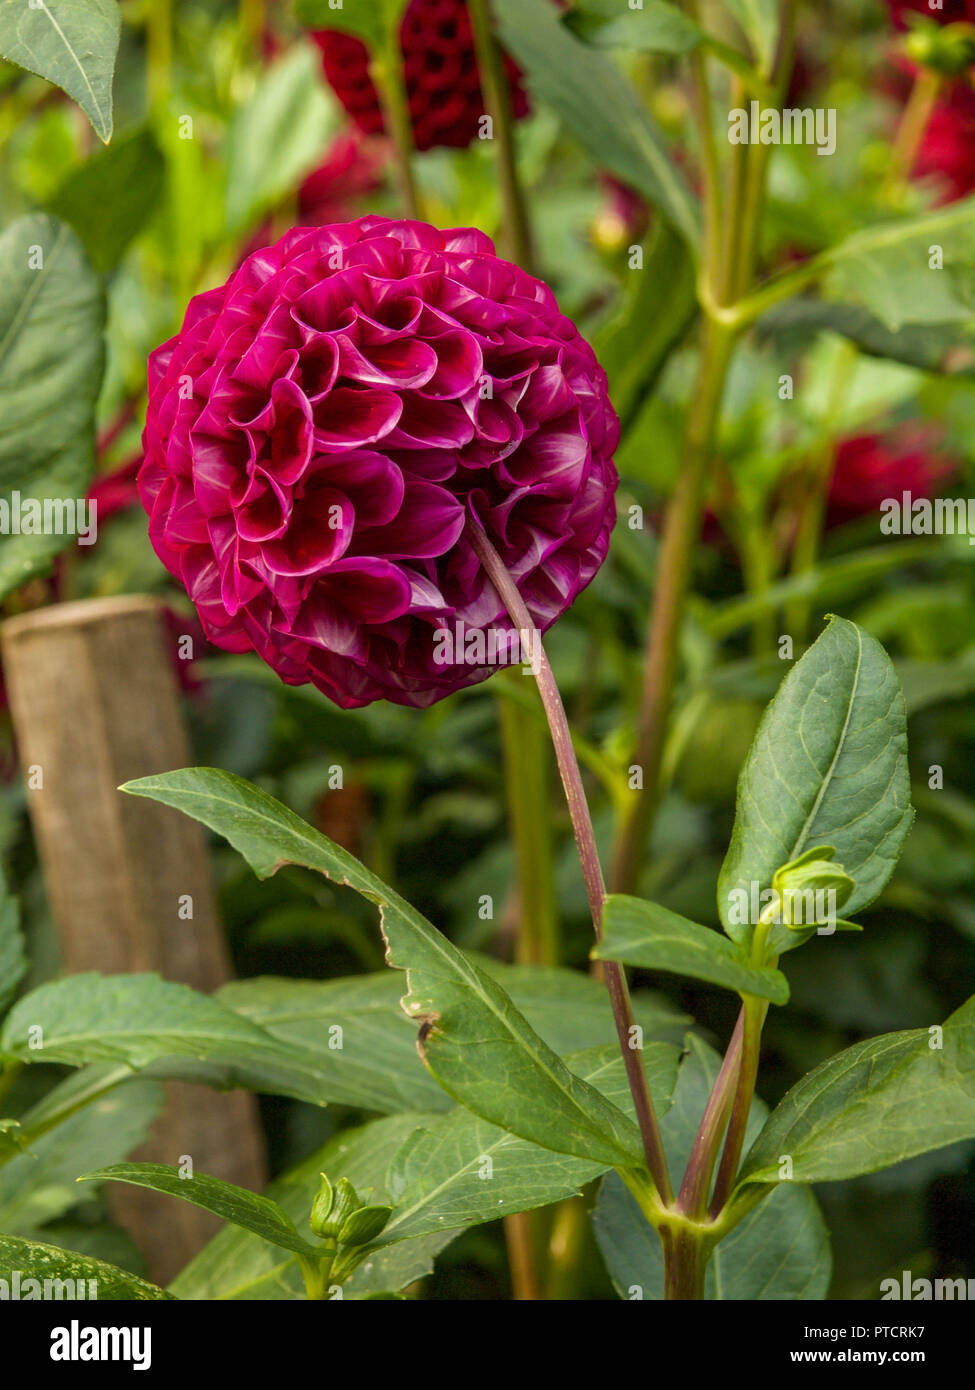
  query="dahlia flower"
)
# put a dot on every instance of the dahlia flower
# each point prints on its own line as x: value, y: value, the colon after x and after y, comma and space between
x: 328, y: 425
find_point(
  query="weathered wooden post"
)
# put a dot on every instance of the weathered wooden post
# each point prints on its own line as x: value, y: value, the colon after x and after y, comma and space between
x: 94, y: 701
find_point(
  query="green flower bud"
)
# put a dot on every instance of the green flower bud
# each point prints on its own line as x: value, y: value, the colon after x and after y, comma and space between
x: 947, y: 49
x: 321, y: 1206
x: 812, y: 889
x: 364, y: 1225
x: 332, y: 1208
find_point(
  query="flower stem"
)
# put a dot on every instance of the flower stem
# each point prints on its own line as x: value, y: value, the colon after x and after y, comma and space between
x: 685, y: 1264
x: 752, y: 1021
x: 588, y: 855
x: 497, y: 95
x: 526, y: 777
x: 695, y: 1189
x: 914, y: 122
x: 386, y: 71
x: 681, y: 529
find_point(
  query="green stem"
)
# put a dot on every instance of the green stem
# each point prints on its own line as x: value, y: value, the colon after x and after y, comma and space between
x: 695, y: 1189
x: 914, y: 122
x: 159, y: 51
x: 386, y: 71
x: 754, y: 1011
x: 681, y: 531
x: 497, y: 94
x: 526, y: 778
x: 685, y: 1264
x: 588, y: 854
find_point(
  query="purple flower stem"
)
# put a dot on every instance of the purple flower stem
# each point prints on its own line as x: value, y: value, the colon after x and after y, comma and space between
x: 588, y: 855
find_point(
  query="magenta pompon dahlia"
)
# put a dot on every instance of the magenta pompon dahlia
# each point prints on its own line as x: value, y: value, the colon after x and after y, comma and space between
x: 328, y: 425
x: 443, y: 86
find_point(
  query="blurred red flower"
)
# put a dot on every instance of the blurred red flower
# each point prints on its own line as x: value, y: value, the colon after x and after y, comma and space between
x: 872, y: 467
x: 442, y: 82
x: 351, y: 170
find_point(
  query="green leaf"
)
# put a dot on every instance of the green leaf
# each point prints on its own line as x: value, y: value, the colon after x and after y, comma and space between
x: 29, y: 1259
x: 370, y: 20
x: 141, y: 1020
x: 760, y: 21
x: 779, y: 1251
x: 828, y: 767
x: 249, y: 1210
x: 887, y: 269
x: 51, y: 358
x: 510, y: 1077
x: 599, y: 107
x: 128, y: 178
x: 654, y: 938
x: 13, y: 960
x: 945, y: 348
x: 656, y: 28
x: 278, y: 135
x: 659, y: 305
x: 377, y: 1066
x: 71, y: 43
x: 462, y: 1170
x: 40, y: 1185
x: 236, y: 1265
x: 874, y: 1104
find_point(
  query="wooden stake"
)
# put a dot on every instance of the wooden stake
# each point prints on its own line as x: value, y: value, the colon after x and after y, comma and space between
x: 94, y: 701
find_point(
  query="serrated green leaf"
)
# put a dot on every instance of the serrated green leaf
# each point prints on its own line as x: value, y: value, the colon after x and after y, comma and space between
x: 377, y: 1066
x: 654, y: 938
x: 462, y: 1170
x: 51, y: 359
x: 779, y: 1251
x: 873, y: 1105
x: 40, y: 1185
x: 948, y: 348
x: 510, y: 1077
x: 30, y: 1259
x: 71, y: 43
x: 142, y: 1021
x: 249, y: 1210
x: 887, y: 268
x: 599, y: 107
x: 828, y: 767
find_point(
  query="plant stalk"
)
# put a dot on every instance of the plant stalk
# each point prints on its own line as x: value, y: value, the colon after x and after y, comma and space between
x: 588, y: 855
x: 497, y: 95
x: 386, y: 71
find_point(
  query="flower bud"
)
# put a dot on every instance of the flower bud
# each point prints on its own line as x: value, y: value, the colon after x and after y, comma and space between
x: 364, y: 1225
x: 332, y: 1208
x: 812, y: 889
x: 945, y: 49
